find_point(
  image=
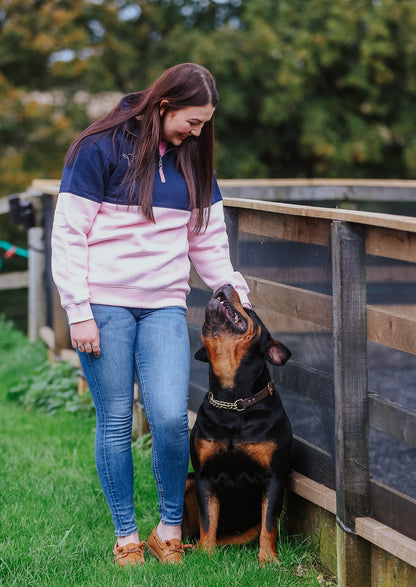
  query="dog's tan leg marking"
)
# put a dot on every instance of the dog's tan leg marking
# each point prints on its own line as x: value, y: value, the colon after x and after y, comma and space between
x: 208, y: 448
x: 247, y: 536
x: 261, y: 452
x: 209, y: 538
x: 267, y: 551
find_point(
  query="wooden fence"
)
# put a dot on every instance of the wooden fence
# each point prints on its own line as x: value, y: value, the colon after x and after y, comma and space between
x: 337, y: 480
x: 327, y: 301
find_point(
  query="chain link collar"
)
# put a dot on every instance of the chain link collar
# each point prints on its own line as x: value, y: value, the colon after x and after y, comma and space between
x: 242, y: 404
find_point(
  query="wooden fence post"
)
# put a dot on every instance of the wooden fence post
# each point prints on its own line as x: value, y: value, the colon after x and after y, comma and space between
x: 351, y: 403
x: 36, y: 294
x: 231, y: 220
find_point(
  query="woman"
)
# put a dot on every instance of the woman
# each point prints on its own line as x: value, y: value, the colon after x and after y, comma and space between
x: 138, y: 198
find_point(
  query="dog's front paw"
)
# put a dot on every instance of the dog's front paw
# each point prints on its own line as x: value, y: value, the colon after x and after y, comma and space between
x: 267, y: 551
x: 208, y: 547
x: 266, y: 557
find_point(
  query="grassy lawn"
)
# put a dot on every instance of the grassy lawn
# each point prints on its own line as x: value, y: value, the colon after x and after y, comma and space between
x: 55, y: 527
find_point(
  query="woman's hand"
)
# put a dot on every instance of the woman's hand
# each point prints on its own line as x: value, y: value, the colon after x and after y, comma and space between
x: 85, y: 336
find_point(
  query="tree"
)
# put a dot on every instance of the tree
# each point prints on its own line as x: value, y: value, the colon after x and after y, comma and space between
x: 308, y: 88
x: 315, y: 88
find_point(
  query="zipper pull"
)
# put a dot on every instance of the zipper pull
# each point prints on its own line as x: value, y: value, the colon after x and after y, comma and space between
x: 162, y: 175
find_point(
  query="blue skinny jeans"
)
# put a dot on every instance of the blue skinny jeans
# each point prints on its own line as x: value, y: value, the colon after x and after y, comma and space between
x: 155, y: 343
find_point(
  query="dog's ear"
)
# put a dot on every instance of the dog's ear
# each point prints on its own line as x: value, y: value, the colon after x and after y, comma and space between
x: 278, y: 354
x: 201, y: 355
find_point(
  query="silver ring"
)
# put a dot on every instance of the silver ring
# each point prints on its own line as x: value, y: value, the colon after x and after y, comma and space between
x: 94, y: 346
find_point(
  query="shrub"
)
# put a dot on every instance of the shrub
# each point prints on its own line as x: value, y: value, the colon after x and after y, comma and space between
x: 49, y: 388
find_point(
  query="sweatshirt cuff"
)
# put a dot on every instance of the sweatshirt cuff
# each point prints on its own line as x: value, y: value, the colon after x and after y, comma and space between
x: 79, y: 312
x: 243, y: 297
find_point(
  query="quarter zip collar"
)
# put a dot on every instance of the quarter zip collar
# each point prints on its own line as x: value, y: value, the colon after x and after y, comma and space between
x: 164, y: 148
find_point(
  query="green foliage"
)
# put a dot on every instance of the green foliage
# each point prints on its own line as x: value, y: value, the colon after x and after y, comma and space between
x: 308, y: 88
x: 49, y: 388
x: 17, y: 356
x: 143, y: 443
x: 10, y: 338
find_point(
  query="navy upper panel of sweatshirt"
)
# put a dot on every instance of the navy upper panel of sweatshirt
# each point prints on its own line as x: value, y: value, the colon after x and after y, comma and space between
x: 100, y: 166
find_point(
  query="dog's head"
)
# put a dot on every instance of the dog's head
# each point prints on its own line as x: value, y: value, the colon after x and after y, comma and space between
x: 233, y: 335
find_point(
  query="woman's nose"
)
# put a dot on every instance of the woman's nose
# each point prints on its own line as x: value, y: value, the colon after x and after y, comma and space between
x: 196, y: 131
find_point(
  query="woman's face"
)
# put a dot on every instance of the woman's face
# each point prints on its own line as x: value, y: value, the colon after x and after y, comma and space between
x: 177, y: 125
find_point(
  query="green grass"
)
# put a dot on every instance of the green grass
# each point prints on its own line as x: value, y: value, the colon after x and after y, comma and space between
x: 55, y: 527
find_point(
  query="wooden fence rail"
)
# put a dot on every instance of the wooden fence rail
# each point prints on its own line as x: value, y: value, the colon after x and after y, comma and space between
x: 15, y: 280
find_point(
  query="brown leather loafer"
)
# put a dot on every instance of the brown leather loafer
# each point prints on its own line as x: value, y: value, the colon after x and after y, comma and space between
x: 166, y: 551
x: 130, y: 554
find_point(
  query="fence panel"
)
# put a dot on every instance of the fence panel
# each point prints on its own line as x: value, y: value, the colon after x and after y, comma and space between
x: 284, y: 252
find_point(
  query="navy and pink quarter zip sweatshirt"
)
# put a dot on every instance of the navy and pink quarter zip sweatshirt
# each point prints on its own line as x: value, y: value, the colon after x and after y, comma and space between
x: 106, y: 252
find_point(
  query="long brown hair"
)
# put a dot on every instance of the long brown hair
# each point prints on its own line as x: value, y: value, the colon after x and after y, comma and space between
x: 186, y: 84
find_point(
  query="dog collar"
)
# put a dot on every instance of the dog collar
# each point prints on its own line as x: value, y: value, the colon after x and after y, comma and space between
x: 242, y: 404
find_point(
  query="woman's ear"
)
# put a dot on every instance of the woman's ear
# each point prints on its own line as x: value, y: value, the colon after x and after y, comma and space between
x: 162, y: 107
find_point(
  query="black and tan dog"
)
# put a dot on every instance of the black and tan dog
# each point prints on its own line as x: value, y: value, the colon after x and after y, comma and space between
x: 241, y: 440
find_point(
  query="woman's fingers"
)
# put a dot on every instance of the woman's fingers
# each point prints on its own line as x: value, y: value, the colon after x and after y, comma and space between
x: 85, y: 337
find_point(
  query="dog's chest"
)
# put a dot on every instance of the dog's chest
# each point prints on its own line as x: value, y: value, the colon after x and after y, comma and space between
x: 234, y: 456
